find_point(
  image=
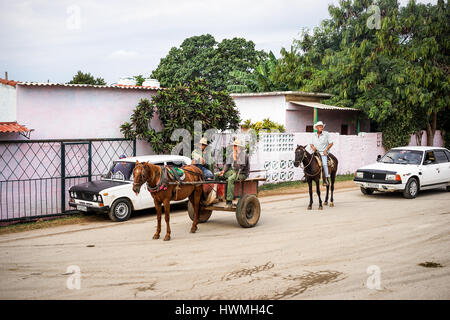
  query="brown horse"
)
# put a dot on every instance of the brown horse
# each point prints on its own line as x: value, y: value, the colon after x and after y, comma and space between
x: 312, y: 171
x: 157, y: 179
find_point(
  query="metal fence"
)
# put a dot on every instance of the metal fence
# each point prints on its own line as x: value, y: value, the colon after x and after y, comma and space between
x: 35, y: 175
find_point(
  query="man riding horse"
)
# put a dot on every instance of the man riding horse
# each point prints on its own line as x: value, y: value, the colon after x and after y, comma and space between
x: 320, y: 144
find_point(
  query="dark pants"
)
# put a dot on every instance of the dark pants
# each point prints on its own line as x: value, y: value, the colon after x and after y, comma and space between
x: 206, y: 172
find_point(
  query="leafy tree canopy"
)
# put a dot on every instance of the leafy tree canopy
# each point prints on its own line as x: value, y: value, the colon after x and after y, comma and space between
x: 398, y: 74
x: 203, y: 57
x: 86, y: 78
x: 178, y: 107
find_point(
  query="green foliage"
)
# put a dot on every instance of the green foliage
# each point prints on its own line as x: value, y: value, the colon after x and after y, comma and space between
x: 86, y: 78
x: 260, y: 80
x: 139, y: 79
x: 178, y: 107
x: 399, y: 72
x: 267, y: 125
x: 203, y: 57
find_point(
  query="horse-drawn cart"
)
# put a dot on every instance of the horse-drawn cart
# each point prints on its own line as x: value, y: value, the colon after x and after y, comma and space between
x: 247, y: 209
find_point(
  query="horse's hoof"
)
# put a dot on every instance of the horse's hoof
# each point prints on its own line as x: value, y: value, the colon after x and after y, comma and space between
x: 193, y: 230
x: 325, y: 203
x: 309, y: 207
x: 320, y: 208
x: 167, y: 238
x: 156, y: 236
x: 331, y: 204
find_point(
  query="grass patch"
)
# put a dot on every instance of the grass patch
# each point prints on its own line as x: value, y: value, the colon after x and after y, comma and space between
x: 298, y: 184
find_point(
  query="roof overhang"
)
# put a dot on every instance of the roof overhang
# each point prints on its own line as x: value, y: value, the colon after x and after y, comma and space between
x: 69, y: 85
x: 317, y: 105
x: 282, y: 93
x: 14, y: 127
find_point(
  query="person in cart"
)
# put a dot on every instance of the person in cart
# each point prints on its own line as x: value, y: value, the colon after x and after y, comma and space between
x: 238, y: 169
x: 202, y: 158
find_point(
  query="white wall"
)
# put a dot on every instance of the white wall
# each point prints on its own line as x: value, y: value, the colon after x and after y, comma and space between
x: 78, y: 112
x: 258, y: 108
x: 7, y: 103
x: 275, y: 153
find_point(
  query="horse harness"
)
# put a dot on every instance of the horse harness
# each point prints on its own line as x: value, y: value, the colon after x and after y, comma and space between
x: 319, y: 161
x: 166, y: 173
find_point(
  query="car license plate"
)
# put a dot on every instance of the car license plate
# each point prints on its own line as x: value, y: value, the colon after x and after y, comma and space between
x: 82, y: 208
x: 373, y: 185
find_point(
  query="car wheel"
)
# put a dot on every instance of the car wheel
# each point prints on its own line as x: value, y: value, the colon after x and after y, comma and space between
x: 120, y: 210
x: 448, y: 188
x: 366, y: 191
x: 411, y: 189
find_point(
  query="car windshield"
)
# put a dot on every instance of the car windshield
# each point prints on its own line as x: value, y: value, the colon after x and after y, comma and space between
x: 402, y: 157
x: 120, y: 170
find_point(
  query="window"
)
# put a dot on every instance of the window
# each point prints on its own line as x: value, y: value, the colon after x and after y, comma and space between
x: 309, y: 129
x: 176, y: 163
x: 344, y: 129
x: 448, y: 154
x: 429, y: 157
x: 399, y: 156
x: 440, y: 156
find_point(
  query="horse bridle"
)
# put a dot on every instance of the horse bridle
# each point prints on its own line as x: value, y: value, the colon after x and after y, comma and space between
x: 304, y: 167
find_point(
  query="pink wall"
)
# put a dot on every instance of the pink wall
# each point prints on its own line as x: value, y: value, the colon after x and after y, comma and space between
x: 437, y: 141
x: 78, y: 113
x: 297, y: 118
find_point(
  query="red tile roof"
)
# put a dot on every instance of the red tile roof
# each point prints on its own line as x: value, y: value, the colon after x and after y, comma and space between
x: 9, y: 82
x: 12, y: 127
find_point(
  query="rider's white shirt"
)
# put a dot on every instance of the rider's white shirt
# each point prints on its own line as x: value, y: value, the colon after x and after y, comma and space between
x: 321, y: 142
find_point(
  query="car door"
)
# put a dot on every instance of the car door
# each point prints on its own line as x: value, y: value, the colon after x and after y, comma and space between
x: 444, y: 166
x: 430, y: 170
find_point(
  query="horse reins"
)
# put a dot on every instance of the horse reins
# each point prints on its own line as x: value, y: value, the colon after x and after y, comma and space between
x: 304, y: 167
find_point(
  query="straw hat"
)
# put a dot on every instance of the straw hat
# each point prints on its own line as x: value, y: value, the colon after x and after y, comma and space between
x: 319, y: 123
x: 203, y: 141
x: 238, y: 143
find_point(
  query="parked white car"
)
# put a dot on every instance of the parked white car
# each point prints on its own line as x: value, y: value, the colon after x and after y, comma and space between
x: 406, y: 169
x: 113, y: 193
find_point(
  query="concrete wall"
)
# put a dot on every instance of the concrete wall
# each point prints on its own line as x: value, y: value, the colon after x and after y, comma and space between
x: 438, y: 141
x: 275, y: 153
x: 7, y: 103
x: 297, y: 118
x: 78, y: 113
x: 259, y: 108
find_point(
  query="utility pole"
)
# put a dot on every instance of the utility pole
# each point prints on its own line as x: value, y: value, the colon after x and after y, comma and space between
x: 6, y: 75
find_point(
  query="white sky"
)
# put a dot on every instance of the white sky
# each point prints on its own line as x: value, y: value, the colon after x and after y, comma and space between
x: 44, y: 40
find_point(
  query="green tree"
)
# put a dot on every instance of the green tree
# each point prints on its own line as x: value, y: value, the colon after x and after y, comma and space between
x: 178, y: 107
x: 261, y: 79
x: 86, y: 78
x: 203, y: 57
x: 397, y: 74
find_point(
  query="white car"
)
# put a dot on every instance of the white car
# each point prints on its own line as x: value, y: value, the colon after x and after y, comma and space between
x: 113, y: 193
x: 406, y: 169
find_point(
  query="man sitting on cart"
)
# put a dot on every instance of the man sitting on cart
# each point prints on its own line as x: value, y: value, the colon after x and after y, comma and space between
x: 237, y: 170
x: 203, y: 159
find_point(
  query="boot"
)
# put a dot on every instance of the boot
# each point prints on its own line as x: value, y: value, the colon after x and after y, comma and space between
x: 325, y: 182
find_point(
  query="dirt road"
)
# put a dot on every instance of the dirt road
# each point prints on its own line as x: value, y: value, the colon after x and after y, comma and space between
x: 291, y: 254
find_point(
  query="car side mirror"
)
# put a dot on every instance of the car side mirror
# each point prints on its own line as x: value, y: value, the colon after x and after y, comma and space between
x: 378, y: 157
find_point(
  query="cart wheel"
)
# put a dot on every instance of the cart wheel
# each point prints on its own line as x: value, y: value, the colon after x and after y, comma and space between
x: 248, y: 211
x: 203, y: 214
